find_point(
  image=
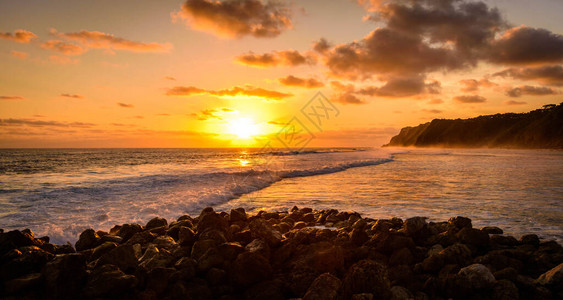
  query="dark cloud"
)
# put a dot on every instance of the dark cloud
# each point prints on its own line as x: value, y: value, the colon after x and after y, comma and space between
x: 432, y: 111
x: 20, y: 36
x: 11, y: 98
x: 395, y: 87
x: 530, y: 90
x: 41, y: 123
x: 470, y: 99
x: 309, y: 83
x: 512, y: 102
x: 472, y: 85
x: 549, y: 75
x: 321, y: 46
x: 101, y: 40
x: 75, y: 96
x: 235, y: 91
x: 526, y: 45
x: 236, y: 18
x: 347, y: 98
x: 125, y: 105
x: 276, y: 58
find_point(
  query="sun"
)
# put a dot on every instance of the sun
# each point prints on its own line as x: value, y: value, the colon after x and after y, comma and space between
x: 243, y: 128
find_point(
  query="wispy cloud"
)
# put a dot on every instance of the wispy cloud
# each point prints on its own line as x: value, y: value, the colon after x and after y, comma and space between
x: 41, y: 123
x: 20, y: 36
x: 74, y: 96
x: 530, y: 90
x: 11, y: 98
x: 125, y: 105
x: 470, y: 99
x: 19, y: 55
x: 513, y: 102
x: 277, y: 58
x: 309, y: 83
x: 63, y: 47
x: 235, y: 91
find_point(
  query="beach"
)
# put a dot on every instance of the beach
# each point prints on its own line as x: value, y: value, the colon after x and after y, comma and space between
x: 296, y: 254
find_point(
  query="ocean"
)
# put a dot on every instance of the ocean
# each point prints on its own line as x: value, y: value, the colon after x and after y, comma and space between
x: 61, y: 192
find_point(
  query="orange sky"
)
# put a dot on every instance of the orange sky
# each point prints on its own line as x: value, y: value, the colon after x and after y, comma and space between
x: 203, y: 73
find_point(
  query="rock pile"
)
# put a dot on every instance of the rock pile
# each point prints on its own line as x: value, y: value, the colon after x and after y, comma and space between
x: 302, y: 253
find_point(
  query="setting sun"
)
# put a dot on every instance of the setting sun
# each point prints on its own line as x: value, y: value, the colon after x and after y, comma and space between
x: 243, y: 128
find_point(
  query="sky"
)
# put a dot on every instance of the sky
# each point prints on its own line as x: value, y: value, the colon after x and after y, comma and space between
x: 251, y: 73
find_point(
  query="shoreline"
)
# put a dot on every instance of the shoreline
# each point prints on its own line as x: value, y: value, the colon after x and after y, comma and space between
x: 301, y: 253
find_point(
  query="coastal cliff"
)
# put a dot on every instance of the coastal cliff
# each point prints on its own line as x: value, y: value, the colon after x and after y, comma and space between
x: 540, y: 128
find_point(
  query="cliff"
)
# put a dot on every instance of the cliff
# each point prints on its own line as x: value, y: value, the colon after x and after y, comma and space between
x: 541, y: 128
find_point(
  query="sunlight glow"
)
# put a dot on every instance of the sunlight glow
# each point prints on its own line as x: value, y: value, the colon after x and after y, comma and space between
x: 243, y: 128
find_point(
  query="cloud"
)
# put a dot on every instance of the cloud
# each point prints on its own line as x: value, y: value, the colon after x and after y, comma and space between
x: 20, y: 36
x: 163, y: 115
x: 277, y: 123
x: 19, y: 55
x: 395, y: 87
x: 125, y: 105
x: 321, y: 46
x: 63, y: 47
x: 62, y: 60
x: 549, y: 75
x: 170, y: 78
x: 236, y: 18
x: 215, y: 113
x: 526, y: 45
x: 512, y: 102
x: 470, y: 99
x: 432, y: 111
x: 309, y: 83
x: 276, y: 58
x: 12, y: 98
x: 530, y: 90
x: 347, y: 98
x: 75, y: 96
x: 472, y: 85
x: 101, y: 40
x: 41, y: 123
x: 435, y: 101
x: 249, y: 91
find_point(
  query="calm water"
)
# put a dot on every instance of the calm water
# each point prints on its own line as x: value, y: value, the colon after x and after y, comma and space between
x: 61, y: 192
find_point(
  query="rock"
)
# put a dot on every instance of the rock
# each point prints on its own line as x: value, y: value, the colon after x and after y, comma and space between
x: 435, y: 249
x: 268, y: 290
x: 211, y: 220
x: 124, y: 257
x: 155, y: 258
x: 238, y: 215
x: 492, y: 230
x: 507, y: 273
x: 211, y: 258
x: 505, y: 290
x: 102, y: 249
x: 402, y: 256
x: 65, y: 276
x: 165, y: 242
x: 230, y: 251
x: 186, y: 236
x: 359, y: 236
x: 413, y: 226
x: 553, y: 277
x: 15, y: 239
x: 244, y: 237
x: 401, y: 293
x: 141, y: 238
x: 321, y: 257
x: 308, y: 217
x: 473, y: 237
x: 215, y: 276
x: 111, y: 238
x: 366, y: 276
x: 214, y: 234
x: 200, y: 247
x: 260, y: 229
x: 22, y: 284
x: 530, y: 239
x: 88, y: 239
x: 21, y: 261
x: 259, y: 246
x: 476, y: 276
x: 156, y: 222
x: 362, y: 296
x: 250, y: 268
x: 502, y: 240
x: 299, y: 225
x: 158, y: 278
x: 109, y: 280
x: 325, y: 287
x: 186, y: 268
x: 460, y: 222
x: 456, y: 254
x: 126, y: 231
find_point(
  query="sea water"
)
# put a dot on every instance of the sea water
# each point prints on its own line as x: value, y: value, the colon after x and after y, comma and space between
x: 61, y: 192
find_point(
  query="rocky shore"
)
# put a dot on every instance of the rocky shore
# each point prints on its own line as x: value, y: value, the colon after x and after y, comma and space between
x: 300, y: 254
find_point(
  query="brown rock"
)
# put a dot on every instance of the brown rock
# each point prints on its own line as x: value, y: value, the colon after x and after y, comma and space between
x: 156, y: 222
x: 22, y: 284
x: 492, y: 230
x: 24, y: 260
x: 88, y: 239
x: 126, y: 231
x: 367, y: 276
x: 505, y: 290
x: 460, y: 222
x: 476, y: 276
x: 250, y: 268
x: 259, y: 246
x: 553, y: 277
x: 124, y: 257
x: 65, y: 276
x: 109, y: 280
x: 186, y: 236
x: 268, y: 290
x: 102, y: 249
x: 261, y: 229
x: 325, y: 287
x: 530, y: 239
x: 401, y: 293
x: 238, y: 215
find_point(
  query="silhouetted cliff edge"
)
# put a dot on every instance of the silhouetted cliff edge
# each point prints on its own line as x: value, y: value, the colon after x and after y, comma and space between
x: 540, y: 128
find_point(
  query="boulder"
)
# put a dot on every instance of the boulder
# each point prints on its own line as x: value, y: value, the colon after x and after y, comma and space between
x: 473, y: 237
x: 553, y: 277
x: 16, y: 239
x: 259, y: 246
x: 65, y: 276
x: 401, y: 293
x: 21, y: 261
x: 367, y: 276
x: 123, y: 256
x: 505, y: 290
x: 238, y: 215
x: 211, y: 220
x: 186, y: 236
x: 22, y: 284
x: 88, y: 239
x: 325, y: 287
x: 250, y: 268
x: 156, y: 222
x: 530, y: 239
x: 267, y: 290
x: 476, y: 277
x: 413, y: 226
x: 492, y: 230
x: 261, y: 229
x: 158, y: 278
x: 363, y: 296
x: 460, y: 222
x: 102, y: 249
x: 111, y: 238
x: 165, y: 242
x: 230, y: 251
x: 126, y: 231
x: 109, y: 280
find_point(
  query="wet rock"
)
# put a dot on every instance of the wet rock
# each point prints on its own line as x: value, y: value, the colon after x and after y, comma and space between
x: 308, y: 217
x: 553, y: 277
x: 530, y: 239
x: 186, y: 236
x: 496, y: 261
x: 325, y: 287
x: 505, y: 290
x: 362, y: 296
x: 321, y: 257
x: 401, y: 293
x: 155, y: 258
x: 476, y: 276
x: 16, y: 239
x: 250, y: 268
x: 186, y: 267
x: 65, y: 276
x: 359, y: 236
x: 22, y: 284
x: 156, y: 222
x: 64, y: 249
x: 260, y: 229
x: 200, y: 247
x: 88, y: 239
x: 126, y: 231
x: 457, y: 254
x: 492, y: 230
x: 367, y: 276
x: 270, y: 215
x: 238, y: 215
x: 109, y: 280
x: 299, y: 225
x: 102, y: 249
x: 111, y: 238
x: 213, y: 234
x: 124, y: 257
x: 141, y: 238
